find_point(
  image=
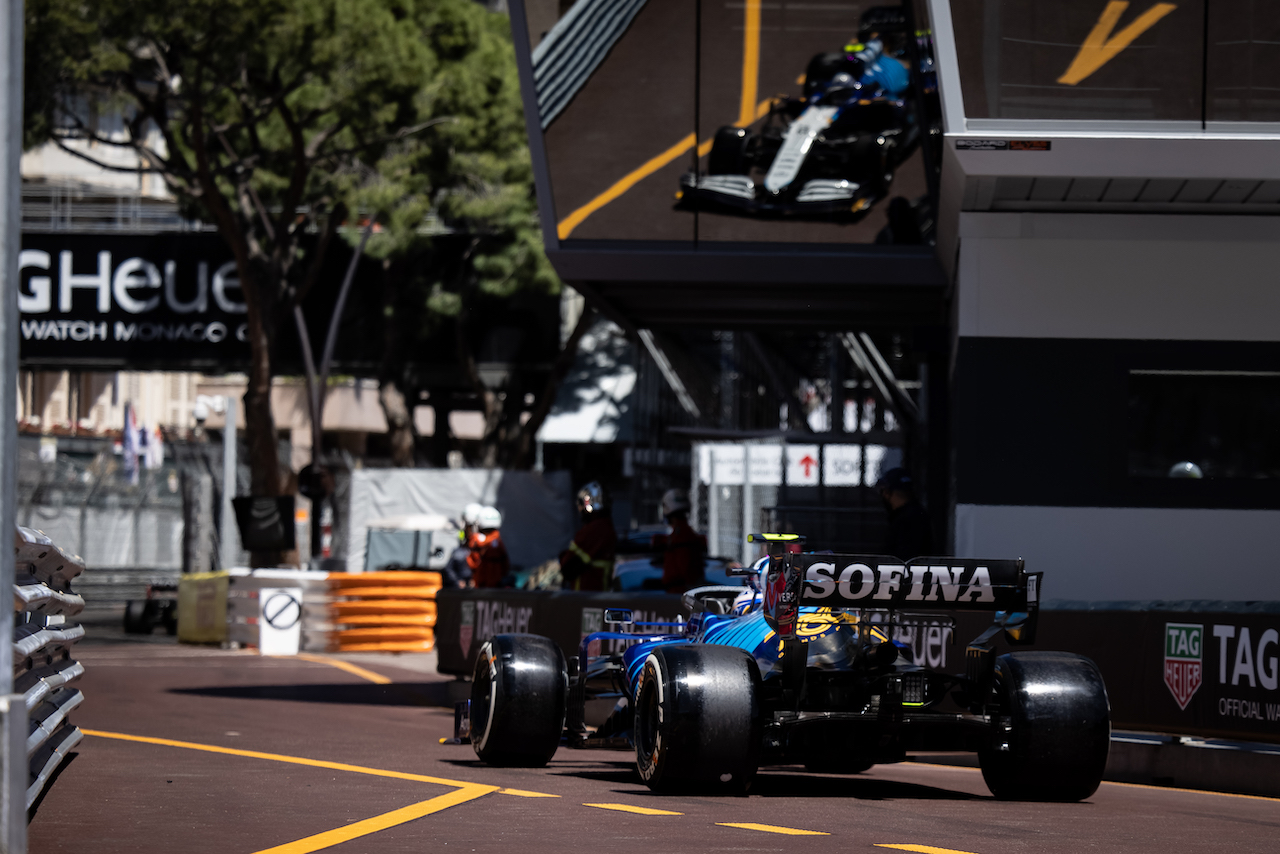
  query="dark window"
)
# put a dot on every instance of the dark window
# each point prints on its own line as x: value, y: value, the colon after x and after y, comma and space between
x: 1225, y: 424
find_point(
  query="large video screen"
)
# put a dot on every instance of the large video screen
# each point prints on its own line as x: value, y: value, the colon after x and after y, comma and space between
x: 1190, y: 60
x: 736, y: 120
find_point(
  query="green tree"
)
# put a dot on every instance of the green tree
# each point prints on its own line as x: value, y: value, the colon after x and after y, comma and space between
x: 276, y: 119
x: 461, y: 231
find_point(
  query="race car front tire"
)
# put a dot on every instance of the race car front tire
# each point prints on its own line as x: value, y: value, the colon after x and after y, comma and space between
x: 728, y: 154
x: 698, y: 720
x: 518, y: 700
x: 1053, y: 730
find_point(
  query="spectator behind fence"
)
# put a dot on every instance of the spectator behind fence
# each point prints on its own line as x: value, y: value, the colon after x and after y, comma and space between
x: 684, y: 550
x: 909, y: 533
x: 588, y: 562
x: 488, y: 559
x: 456, y: 571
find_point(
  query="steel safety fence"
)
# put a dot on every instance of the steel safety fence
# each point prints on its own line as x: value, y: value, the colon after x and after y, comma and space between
x: 44, y: 666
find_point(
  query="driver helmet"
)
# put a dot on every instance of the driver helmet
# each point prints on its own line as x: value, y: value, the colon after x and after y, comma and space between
x: 752, y: 596
x: 674, y: 501
x: 471, y: 513
x: 489, y: 519
x: 591, y: 499
x: 748, y: 600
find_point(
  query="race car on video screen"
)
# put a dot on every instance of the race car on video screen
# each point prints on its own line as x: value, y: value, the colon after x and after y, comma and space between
x: 831, y: 153
x: 809, y: 664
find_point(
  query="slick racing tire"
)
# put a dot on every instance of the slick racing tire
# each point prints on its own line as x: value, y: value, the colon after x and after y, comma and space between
x: 698, y: 721
x: 1053, y: 730
x: 518, y: 700
x: 135, y: 618
x: 729, y: 152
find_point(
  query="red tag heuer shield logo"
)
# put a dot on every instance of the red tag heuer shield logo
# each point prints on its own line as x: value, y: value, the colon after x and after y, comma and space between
x: 1183, y: 666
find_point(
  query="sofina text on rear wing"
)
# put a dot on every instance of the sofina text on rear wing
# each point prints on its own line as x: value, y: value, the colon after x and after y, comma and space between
x: 879, y: 583
x: 875, y: 582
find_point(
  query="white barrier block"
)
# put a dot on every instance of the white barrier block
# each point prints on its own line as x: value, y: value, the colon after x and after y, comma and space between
x: 279, y: 620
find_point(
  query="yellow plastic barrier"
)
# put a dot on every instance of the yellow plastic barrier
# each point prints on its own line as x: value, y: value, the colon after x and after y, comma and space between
x: 202, y: 607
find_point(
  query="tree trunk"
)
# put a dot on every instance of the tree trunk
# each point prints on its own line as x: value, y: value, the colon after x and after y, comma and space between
x: 259, y: 422
x: 399, y: 417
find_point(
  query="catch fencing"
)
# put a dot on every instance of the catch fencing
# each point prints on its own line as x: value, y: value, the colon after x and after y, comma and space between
x: 42, y: 656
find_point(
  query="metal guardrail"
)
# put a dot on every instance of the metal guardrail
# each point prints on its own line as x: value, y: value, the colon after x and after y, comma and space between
x: 42, y: 639
x: 575, y: 47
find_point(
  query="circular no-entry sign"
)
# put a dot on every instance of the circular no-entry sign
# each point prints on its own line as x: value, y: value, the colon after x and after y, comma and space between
x: 282, y: 611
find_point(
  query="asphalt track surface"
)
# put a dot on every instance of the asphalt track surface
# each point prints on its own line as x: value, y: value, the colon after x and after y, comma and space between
x: 662, y: 83
x: 192, y: 749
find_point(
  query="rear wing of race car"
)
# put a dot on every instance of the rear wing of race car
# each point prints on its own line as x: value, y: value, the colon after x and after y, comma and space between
x: 880, y: 583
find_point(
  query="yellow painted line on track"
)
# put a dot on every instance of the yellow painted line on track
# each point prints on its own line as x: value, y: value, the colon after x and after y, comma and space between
x: 379, y: 822
x: 521, y: 793
x: 770, y: 828
x: 1100, y: 46
x: 629, y: 808
x: 291, y: 760
x: 921, y: 849
x: 750, y: 62
x: 575, y: 219
x: 353, y: 669
x: 464, y: 791
x: 566, y: 226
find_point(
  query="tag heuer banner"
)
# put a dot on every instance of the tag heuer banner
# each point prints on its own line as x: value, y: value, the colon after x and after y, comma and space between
x: 164, y: 301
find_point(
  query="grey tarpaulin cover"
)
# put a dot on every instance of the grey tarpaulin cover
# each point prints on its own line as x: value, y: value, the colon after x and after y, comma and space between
x: 537, y: 509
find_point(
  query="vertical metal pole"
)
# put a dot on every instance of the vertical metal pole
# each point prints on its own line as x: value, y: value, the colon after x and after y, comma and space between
x: 695, y: 487
x: 13, y: 788
x: 747, y: 509
x: 229, y: 536
x: 713, y: 506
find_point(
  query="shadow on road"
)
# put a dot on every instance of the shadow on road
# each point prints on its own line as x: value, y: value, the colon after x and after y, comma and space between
x: 397, y: 694
x: 768, y: 784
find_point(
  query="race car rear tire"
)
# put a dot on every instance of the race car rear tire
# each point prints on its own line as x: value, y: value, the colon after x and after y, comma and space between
x: 1053, y: 731
x: 698, y: 720
x: 518, y: 700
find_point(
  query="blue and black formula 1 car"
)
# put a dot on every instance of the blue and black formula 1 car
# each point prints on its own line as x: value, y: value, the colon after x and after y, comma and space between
x: 831, y: 153
x: 807, y: 670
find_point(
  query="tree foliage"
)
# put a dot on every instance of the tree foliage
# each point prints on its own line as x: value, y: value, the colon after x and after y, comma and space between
x: 283, y: 120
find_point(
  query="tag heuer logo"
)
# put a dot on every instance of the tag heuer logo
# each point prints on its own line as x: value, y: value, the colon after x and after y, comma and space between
x: 1183, y: 666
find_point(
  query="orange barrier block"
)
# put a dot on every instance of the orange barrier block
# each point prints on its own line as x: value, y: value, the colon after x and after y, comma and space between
x: 390, y: 620
x: 420, y: 592
x: 352, y: 607
x: 377, y: 634
x: 387, y: 646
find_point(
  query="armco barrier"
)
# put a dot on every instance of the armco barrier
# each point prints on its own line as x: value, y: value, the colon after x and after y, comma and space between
x: 341, y: 612
x: 1207, y: 669
x: 42, y: 640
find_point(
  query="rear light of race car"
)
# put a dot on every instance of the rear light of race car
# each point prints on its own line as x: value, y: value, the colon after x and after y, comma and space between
x: 914, y: 689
